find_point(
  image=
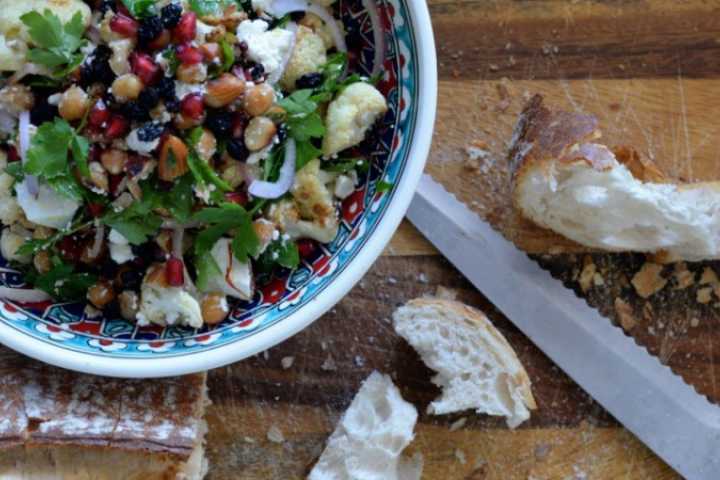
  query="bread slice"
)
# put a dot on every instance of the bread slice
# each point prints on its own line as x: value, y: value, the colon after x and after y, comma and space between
x: 564, y: 180
x: 368, y: 442
x: 56, y: 424
x: 476, y: 367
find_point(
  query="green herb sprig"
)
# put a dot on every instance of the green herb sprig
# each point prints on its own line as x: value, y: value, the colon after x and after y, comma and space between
x: 56, y: 44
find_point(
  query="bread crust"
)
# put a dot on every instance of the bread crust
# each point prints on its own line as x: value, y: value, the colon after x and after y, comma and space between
x: 477, y: 319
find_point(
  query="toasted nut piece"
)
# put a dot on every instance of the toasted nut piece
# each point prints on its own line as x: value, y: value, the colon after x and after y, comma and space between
x: 156, y: 275
x: 101, y: 294
x: 41, y: 233
x: 129, y: 304
x: 210, y: 51
x: 42, y: 261
x: 214, y: 308
x: 196, y: 73
x: 233, y: 172
x: 259, y: 133
x: 264, y: 230
x: 114, y: 160
x: 206, y: 145
x: 16, y: 98
x: 127, y: 87
x: 98, y: 176
x: 173, y: 166
x: 259, y: 99
x: 224, y: 90
x: 73, y: 104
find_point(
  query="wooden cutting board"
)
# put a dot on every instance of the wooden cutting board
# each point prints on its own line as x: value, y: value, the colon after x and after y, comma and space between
x: 650, y: 70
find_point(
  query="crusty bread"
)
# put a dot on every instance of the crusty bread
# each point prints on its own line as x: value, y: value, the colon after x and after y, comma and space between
x: 56, y: 424
x: 369, y: 439
x: 477, y: 368
x: 607, y: 199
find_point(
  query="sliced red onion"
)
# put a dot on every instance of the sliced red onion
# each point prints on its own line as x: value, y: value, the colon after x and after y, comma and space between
x: 177, y: 241
x: 283, y: 7
x: 272, y: 190
x: 98, y: 241
x: 275, y: 76
x: 24, y: 143
x: 23, y: 295
x: 378, y: 35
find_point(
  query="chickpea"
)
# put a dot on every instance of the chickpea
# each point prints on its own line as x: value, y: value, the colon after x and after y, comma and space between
x: 114, y: 160
x: 214, y: 308
x: 206, y: 145
x: 41, y: 233
x: 17, y: 98
x: 259, y: 133
x: 101, y: 294
x: 210, y: 51
x: 42, y: 261
x: 233, y: 173
x: 129, y: 304
x: 98, y: 176
x: 73, y: 104
x: 127, y: 87
x: 192, y: 73
x: 259, y: 99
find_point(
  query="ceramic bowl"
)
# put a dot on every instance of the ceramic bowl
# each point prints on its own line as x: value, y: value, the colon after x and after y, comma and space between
x: 68, y: 336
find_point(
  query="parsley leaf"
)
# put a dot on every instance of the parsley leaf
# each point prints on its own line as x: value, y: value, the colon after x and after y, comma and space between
x: 360, y: 165
x: 206, y: 8
x: 137, y: 222
x: 200, y: 169
x: 173, y: 62
x: 205, y: 267
x: 227, y: 218
x: 63, y: 282
x: 15, y: 170
x: 179, y: 200
x: 305, y: 151
x: 48, y: 157
x: 31, y: 247
x: 303, y: 120
x: 57, y: 44
x: 281, y: 253
x: 140, y: 8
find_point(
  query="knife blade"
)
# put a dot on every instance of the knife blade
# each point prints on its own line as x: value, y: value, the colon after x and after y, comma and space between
x: 669, y: 416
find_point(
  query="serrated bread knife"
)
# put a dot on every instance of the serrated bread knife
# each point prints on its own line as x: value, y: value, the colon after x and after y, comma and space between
x: 671, y: 418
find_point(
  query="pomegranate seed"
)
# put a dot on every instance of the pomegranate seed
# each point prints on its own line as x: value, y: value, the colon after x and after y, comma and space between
x: 95, y: 209
x: 70, y: 248
x: 241, y: 198
x: 240, y: 121
x: 188, y: 55
x: 144, y: 67
x: 186, y: 29
x: 99, y: 114
x: 115, y: 181
x: 161, y: 41
x: 117, y: 127
x: 192, y: 106
x: 12, y: 154
x: 306, y: 247
x: 174, y: 272
x: 123, y: 25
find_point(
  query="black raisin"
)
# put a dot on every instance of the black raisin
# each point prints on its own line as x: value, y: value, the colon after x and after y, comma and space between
x: 106, y: 5
x: 135, y: 111
x: 108, y: 269
x: 236, y: 149
x: 149, y: 252
x: 297, y: 16
x: 171, y: 15
x: 220, y: 123
x: 150, y: 131
x: 172, y: 106
x: 257, y: 72
x: 310, y: 80
x: 166, y: 88
x: 243, y: 46
x: 131, y: 279
x: 42, y: 112
x: 149, y: 29
x: 149, y: 98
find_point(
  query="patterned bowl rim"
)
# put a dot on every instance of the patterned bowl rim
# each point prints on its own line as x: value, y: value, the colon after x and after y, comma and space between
x: 424, y: 46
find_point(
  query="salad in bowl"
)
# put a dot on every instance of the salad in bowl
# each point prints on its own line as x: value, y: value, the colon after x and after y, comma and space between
x: 161, y: 160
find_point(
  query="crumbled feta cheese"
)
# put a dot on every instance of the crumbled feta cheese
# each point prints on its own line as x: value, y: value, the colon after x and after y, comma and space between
x: 344, y: 186
x: 48, y: 208
x: 184, y: 89
x: 134, y: 143
x: 120, y: 250
x: 203, y: 192
x: 55, y: 99
x: 268, y: 47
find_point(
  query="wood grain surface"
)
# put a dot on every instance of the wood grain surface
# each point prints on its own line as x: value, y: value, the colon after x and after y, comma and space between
x: 650, y: 71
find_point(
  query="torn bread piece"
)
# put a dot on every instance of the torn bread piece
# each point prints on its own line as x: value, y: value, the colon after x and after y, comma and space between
x: 56, y: 424
x: 564, y: 180
x: 369, y: 440
x: 476, y: 367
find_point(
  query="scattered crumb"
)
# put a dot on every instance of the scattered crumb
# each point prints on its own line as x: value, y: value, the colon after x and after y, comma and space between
x: 248, y: 440
x: 625, y: 314
x: 542, y: 451
x: 704, y: 295
x: 460, y: 455
x: 287, y: 362
x: 323, y: 345
x: 446, y: 293
x: 683, y: 277
x: 266, y: 355
x: 422, y: 278
x: 275, y: 435
x: 648, y: 312
x: 458, y: 424
x: 708, y: 277
x: 648, y: 280
x: 598, y: 280
x: 359, y: 361
x: 587, y: 274
x: 694, y: 322
x: 392, y: 280
x: 329, y: 364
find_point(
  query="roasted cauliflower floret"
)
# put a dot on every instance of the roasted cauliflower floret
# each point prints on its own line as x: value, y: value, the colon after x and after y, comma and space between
x: 235, y: 278
x: 14, y: 37
x: 11, y: 240
x: 350, y: 116
x: 311, y: 213
x: 162, y: 304
x: 10, y: 211
x: 307, y: 57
